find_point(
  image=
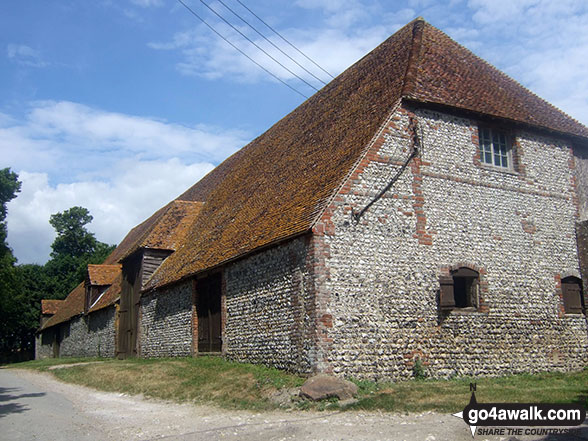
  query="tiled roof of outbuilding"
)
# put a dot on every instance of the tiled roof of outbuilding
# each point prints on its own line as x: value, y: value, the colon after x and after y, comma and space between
x: 164, y: 229
x: 170, y: 228
x: 50, y: 306
x: 102, y: 274
x: 73, y: 305
x: 110, y: 296
x: 274, y: 187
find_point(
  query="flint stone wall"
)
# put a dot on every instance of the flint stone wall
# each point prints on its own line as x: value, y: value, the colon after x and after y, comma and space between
x: 380, y: 287
x: 269, y: 308
x: 90, y: 335
x: 165, y: 323
x: 44, y: 344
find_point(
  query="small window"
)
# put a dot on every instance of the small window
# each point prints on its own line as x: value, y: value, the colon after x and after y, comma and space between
x: 495, y: 148
x: 460, y: 289
x: 571, y: 288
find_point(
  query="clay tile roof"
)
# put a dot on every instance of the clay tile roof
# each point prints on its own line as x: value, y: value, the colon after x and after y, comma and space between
x: 50, y: 307
x: 102, y: 274
x: 170, y: 228
x: 73, y: 305
x: 275, y: 187
x: 179, y: 213
x: 110, y: 296
x: 445, y: 72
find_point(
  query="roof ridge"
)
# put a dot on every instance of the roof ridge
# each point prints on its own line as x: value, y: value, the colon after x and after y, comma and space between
x: 411, y: 72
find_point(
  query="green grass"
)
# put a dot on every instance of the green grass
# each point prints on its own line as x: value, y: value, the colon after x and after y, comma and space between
x: 212, y: 380
x: 453, y: 395
x: 200, y: 380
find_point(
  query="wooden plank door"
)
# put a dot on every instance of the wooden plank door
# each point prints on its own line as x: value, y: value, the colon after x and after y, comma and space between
x: 209, y: 314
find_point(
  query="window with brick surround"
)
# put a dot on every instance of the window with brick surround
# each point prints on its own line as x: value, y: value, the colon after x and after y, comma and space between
x: 571, y: 289
x: 495, y: 148
x: 459, y: 290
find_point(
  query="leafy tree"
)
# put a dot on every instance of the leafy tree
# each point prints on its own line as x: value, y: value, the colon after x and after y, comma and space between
x: 73, y: 249
x: 73, y: 239
x: 9, y: 186
x: 10, y: 306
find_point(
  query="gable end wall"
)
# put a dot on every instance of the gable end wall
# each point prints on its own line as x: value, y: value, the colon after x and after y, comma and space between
x: 379, y: 277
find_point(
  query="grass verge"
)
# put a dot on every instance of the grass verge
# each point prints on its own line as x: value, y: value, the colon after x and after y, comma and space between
x: 212, y: 380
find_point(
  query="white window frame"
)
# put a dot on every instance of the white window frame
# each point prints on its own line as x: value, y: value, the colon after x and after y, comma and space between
x: 495, y: 148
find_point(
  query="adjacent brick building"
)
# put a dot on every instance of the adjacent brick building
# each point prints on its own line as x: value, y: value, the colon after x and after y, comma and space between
x: 421, y: 206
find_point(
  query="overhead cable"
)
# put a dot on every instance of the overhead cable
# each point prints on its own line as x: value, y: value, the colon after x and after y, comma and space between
x: 271, y: 42
x: 284, y: 38
x: 257, y: 46
x: 240, y: 51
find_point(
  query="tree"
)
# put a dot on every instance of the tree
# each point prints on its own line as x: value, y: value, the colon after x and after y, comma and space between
x: 11, y: 309
x: 9, y: 186
x: 73, y: 249
x: 73, y: 239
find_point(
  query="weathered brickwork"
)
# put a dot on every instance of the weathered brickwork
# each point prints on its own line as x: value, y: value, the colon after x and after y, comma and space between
x: 88, y: 335
x: 380, y: 274
x: 165, y: 323
x: 269, y: 310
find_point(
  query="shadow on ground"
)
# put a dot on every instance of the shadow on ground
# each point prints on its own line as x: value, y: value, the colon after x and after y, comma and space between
x: 9, y: 400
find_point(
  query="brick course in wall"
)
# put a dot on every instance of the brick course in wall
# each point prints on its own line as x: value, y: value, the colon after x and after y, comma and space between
x: 380, y: 274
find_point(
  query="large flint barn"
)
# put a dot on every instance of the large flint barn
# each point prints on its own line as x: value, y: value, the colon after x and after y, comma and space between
x: 421, y: 206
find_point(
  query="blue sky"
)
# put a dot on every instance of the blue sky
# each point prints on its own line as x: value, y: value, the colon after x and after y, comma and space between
x: 119, y: 106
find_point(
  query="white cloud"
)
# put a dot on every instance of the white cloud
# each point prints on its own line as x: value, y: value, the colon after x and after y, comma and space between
x: 118, y: 205
x: 335, y: 49
x: 24, y: 55
x: 121, y: 167
x: 74, y: 140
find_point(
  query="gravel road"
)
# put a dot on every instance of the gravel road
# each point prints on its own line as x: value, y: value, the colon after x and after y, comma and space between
x: 35, y: 406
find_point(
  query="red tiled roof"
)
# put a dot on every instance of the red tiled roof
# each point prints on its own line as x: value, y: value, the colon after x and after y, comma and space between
x: 50, y: 307
x: 110, y: 296
x: 165, y: 228
x: 170, y: 228
x: 447, y: 73
x: 102, y: 274
x: 73, y: 305
x: 274, y: 187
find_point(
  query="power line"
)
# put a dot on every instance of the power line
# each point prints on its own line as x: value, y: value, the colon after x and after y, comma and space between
x: 284, y: 38
x: 257, y: 46
x: 271, y: 42
x: 240, y: 51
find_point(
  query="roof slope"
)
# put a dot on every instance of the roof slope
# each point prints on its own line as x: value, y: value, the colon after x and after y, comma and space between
x: 447, y: 73
x: 50, y: 306
x: 102, y: 274
x: 73, y: 305
x: 169, y: 229
x: 275, y: 186
x: 165, y: 228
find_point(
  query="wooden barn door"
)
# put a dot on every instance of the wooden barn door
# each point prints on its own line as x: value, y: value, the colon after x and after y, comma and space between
x: 208, y: 307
